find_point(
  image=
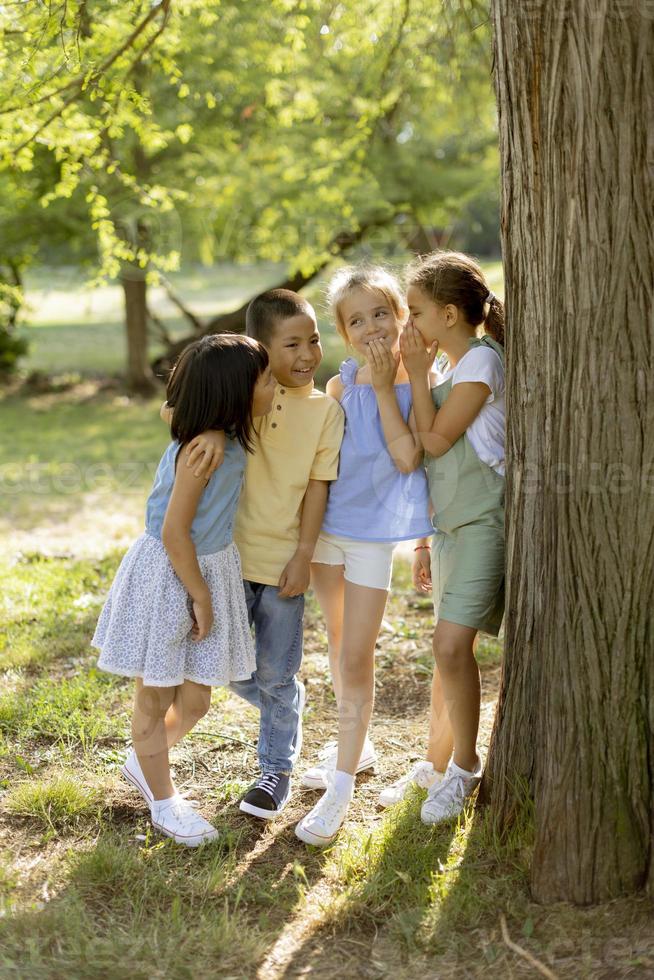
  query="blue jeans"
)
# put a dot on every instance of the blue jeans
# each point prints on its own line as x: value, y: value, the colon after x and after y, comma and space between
x: 273, y: 687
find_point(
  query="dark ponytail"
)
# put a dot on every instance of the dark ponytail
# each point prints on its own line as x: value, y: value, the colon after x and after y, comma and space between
x: 452, y: 277
x: 494, y: 321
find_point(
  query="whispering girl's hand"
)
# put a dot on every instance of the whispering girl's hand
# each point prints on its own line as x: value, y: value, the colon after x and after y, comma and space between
x: 383, y: 364
x: 417, y: 359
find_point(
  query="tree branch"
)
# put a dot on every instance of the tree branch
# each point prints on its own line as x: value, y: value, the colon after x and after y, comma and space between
x: 195, y: 321
x: 524, y: 953
x: 234, y: 321
x: 78, y: 83
x: 159, y: 326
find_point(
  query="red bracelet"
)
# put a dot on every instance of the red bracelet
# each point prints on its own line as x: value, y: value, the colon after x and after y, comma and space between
x: 422, y: 547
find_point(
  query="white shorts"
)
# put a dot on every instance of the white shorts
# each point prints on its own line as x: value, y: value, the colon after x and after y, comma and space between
x: 368, y: 563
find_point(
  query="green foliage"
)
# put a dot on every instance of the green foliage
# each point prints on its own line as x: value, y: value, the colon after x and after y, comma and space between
x: 11, y: 349
x: 264, y: 129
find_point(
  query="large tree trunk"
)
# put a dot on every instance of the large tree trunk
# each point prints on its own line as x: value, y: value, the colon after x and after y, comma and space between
x: 139, y: 374
x: 575, y: 721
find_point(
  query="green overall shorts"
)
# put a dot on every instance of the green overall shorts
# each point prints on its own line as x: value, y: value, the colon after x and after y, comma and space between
x: 467, y: 557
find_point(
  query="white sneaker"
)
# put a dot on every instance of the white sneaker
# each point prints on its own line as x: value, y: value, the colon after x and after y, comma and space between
x: 176, y: 818
x: 447, y: 798
x: 422, y: 774
x: 317, y: 776
x: 321, y: 825
x: 132, y: 772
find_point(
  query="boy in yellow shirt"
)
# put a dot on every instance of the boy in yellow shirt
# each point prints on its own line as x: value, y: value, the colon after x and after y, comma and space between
x: 277, y: 524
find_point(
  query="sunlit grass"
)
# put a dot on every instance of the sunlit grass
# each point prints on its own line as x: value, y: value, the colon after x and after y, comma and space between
x: 70, y: 712
x: 67, y: 596
x: 54, y: 804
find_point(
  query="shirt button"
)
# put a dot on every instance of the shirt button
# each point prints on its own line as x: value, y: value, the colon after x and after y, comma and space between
x: 282, y: 391
x: 279, y: 408
x: 274, y: 425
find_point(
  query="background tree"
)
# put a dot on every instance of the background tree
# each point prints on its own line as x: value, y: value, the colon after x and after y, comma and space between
x: 251, y: 131
x: 575, y: 723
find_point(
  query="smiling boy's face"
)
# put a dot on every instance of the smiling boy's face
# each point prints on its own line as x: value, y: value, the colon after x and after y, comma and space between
x: 294, y: 350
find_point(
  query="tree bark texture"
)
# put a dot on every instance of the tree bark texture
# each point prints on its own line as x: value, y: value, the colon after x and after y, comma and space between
x: 139, y: 374
x: 575, y: 721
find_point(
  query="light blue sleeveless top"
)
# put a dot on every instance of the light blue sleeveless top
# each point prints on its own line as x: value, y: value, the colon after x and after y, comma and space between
x: 213, y: 523
x: 371, y: 500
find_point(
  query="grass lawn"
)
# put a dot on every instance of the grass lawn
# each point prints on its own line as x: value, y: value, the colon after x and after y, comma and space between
x: 87, y: 890
x: 76, y: 330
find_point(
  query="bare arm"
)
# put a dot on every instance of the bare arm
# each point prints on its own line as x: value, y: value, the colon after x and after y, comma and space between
x: 334, y: 387
x: 403, y: 445
x: 460, y: 409
x: 294, y: 580
x: 176, y: 539
x: 438, y: 430
x: 206, y: 452
x: 418, y: 361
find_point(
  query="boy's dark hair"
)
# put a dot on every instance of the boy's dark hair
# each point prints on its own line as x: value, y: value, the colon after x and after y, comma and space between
x: 265, y: 311
x: 211, y: 387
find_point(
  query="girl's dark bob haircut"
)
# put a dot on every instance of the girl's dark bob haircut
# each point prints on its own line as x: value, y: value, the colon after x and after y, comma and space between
x: 212, y: 384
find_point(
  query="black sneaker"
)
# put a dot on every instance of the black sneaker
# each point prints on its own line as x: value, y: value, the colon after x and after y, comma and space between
x: 267, y: 796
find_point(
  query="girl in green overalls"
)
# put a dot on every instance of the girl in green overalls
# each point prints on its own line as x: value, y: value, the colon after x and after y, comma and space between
x: 461, y: 425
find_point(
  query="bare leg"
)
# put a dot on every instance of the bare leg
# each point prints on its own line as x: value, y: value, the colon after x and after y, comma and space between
x: 191, y: 703
x: 364, y: 609
x: 455, y: 659
x: 441, y: 739
x: 329, y: 585
x: 149, y: 735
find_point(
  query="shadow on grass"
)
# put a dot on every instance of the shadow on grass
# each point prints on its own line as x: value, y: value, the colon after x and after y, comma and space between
x: 125, y: 907
x: 386, y: 882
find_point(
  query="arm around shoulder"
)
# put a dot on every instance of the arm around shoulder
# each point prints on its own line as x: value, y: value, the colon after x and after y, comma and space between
x: 334, y: 388
x: 328, y: 447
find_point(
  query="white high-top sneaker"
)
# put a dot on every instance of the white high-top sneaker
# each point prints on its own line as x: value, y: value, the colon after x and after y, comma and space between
x: 322, y: 824
x: 422, y: 774
x: 447, y: 798
x: 316, y: 776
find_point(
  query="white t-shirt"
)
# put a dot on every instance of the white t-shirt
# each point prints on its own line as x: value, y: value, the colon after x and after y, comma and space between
x: 486, y: 433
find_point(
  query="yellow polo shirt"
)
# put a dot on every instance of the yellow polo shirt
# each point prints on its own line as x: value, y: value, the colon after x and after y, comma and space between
x: 297, y: 441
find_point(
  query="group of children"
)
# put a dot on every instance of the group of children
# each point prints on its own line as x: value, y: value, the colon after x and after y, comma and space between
x: 269, y: 485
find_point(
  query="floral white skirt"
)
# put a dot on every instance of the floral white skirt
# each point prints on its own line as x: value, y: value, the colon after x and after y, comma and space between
x: 144, y: 629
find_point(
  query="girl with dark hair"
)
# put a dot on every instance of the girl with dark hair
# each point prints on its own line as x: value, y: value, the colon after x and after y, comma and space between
x: 460, y: 422
x: 175, y: 618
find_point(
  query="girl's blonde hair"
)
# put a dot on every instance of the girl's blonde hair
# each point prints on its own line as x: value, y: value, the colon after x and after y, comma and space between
x: 452, y: 277
x: 370, y: 277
